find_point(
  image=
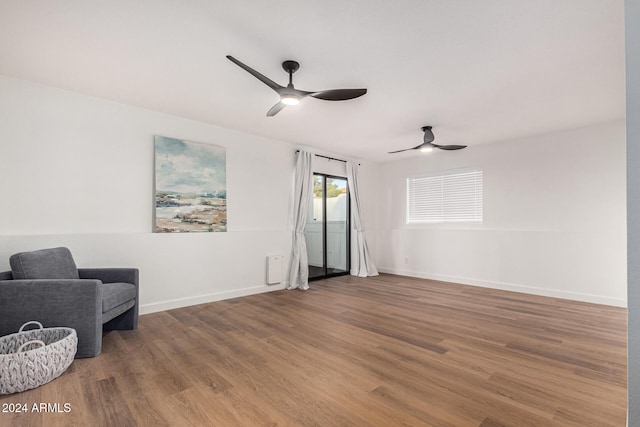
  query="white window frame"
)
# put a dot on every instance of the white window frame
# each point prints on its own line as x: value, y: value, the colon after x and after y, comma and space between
x: 453, y: 196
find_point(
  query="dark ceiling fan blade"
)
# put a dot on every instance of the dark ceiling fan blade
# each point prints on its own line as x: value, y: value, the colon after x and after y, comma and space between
x: 275, y: 109
x: 338, y: 94
x: 450, y: 147
x: 407, y: 149
x: 400, y: 151
x: 264, y: 79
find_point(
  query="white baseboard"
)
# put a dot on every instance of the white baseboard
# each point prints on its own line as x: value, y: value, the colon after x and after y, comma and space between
x: 554, y: 293
x: 202, y: 299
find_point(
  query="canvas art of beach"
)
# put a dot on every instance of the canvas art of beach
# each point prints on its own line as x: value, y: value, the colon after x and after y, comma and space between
x: 190, y: 186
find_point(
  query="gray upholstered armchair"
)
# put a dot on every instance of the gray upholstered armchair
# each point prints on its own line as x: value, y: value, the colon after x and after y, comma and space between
x: 46, y: 286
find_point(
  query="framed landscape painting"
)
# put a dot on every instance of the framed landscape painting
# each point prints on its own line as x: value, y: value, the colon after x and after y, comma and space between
x: 190, y: 186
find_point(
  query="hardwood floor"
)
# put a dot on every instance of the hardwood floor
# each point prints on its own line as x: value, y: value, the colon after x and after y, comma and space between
x: 381, y: 351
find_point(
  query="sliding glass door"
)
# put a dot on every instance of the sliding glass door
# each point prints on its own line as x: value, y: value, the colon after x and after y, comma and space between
x: 327, y: 229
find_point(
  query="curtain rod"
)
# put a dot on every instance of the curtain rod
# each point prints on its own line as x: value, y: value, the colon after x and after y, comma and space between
x: 327, y: 157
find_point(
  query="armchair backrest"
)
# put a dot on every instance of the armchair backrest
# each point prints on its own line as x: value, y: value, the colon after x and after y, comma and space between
x: 54, y: 263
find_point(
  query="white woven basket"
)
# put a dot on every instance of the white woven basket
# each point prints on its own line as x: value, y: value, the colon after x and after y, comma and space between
x: 31, y: 358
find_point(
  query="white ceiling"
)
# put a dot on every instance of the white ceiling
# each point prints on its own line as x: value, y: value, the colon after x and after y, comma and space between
x: 478, y: 71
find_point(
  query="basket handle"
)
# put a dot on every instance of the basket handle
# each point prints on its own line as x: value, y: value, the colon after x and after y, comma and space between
x: 29, y: 323
x: 42, y: 344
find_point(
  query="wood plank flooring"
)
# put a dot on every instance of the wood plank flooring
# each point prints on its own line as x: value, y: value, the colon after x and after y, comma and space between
x: 381, y: 351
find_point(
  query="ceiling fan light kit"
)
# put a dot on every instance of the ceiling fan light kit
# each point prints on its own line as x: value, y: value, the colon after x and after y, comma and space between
x: 290, y: 100
x: 289, y: 95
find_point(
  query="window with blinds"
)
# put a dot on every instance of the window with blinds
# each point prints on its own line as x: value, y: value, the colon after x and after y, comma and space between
x: 454, y: 196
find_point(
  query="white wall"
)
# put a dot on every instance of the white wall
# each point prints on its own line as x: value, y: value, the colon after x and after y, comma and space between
x: 78, y: 171
x: 554, y: 218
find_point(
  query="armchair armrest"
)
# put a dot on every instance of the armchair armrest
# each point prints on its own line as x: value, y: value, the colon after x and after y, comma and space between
x: 111, y: 275
x: 74, y: 303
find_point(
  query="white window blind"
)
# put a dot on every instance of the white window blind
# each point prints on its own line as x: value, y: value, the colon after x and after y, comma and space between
x: 447, y: 197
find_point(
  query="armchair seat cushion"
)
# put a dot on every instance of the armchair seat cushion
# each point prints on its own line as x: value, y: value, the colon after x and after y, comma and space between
x: 115, y: 294
x: 117, y: 311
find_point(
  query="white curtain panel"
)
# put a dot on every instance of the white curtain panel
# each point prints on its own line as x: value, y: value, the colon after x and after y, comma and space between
x: 363, y: 264
x: 298, y: 265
